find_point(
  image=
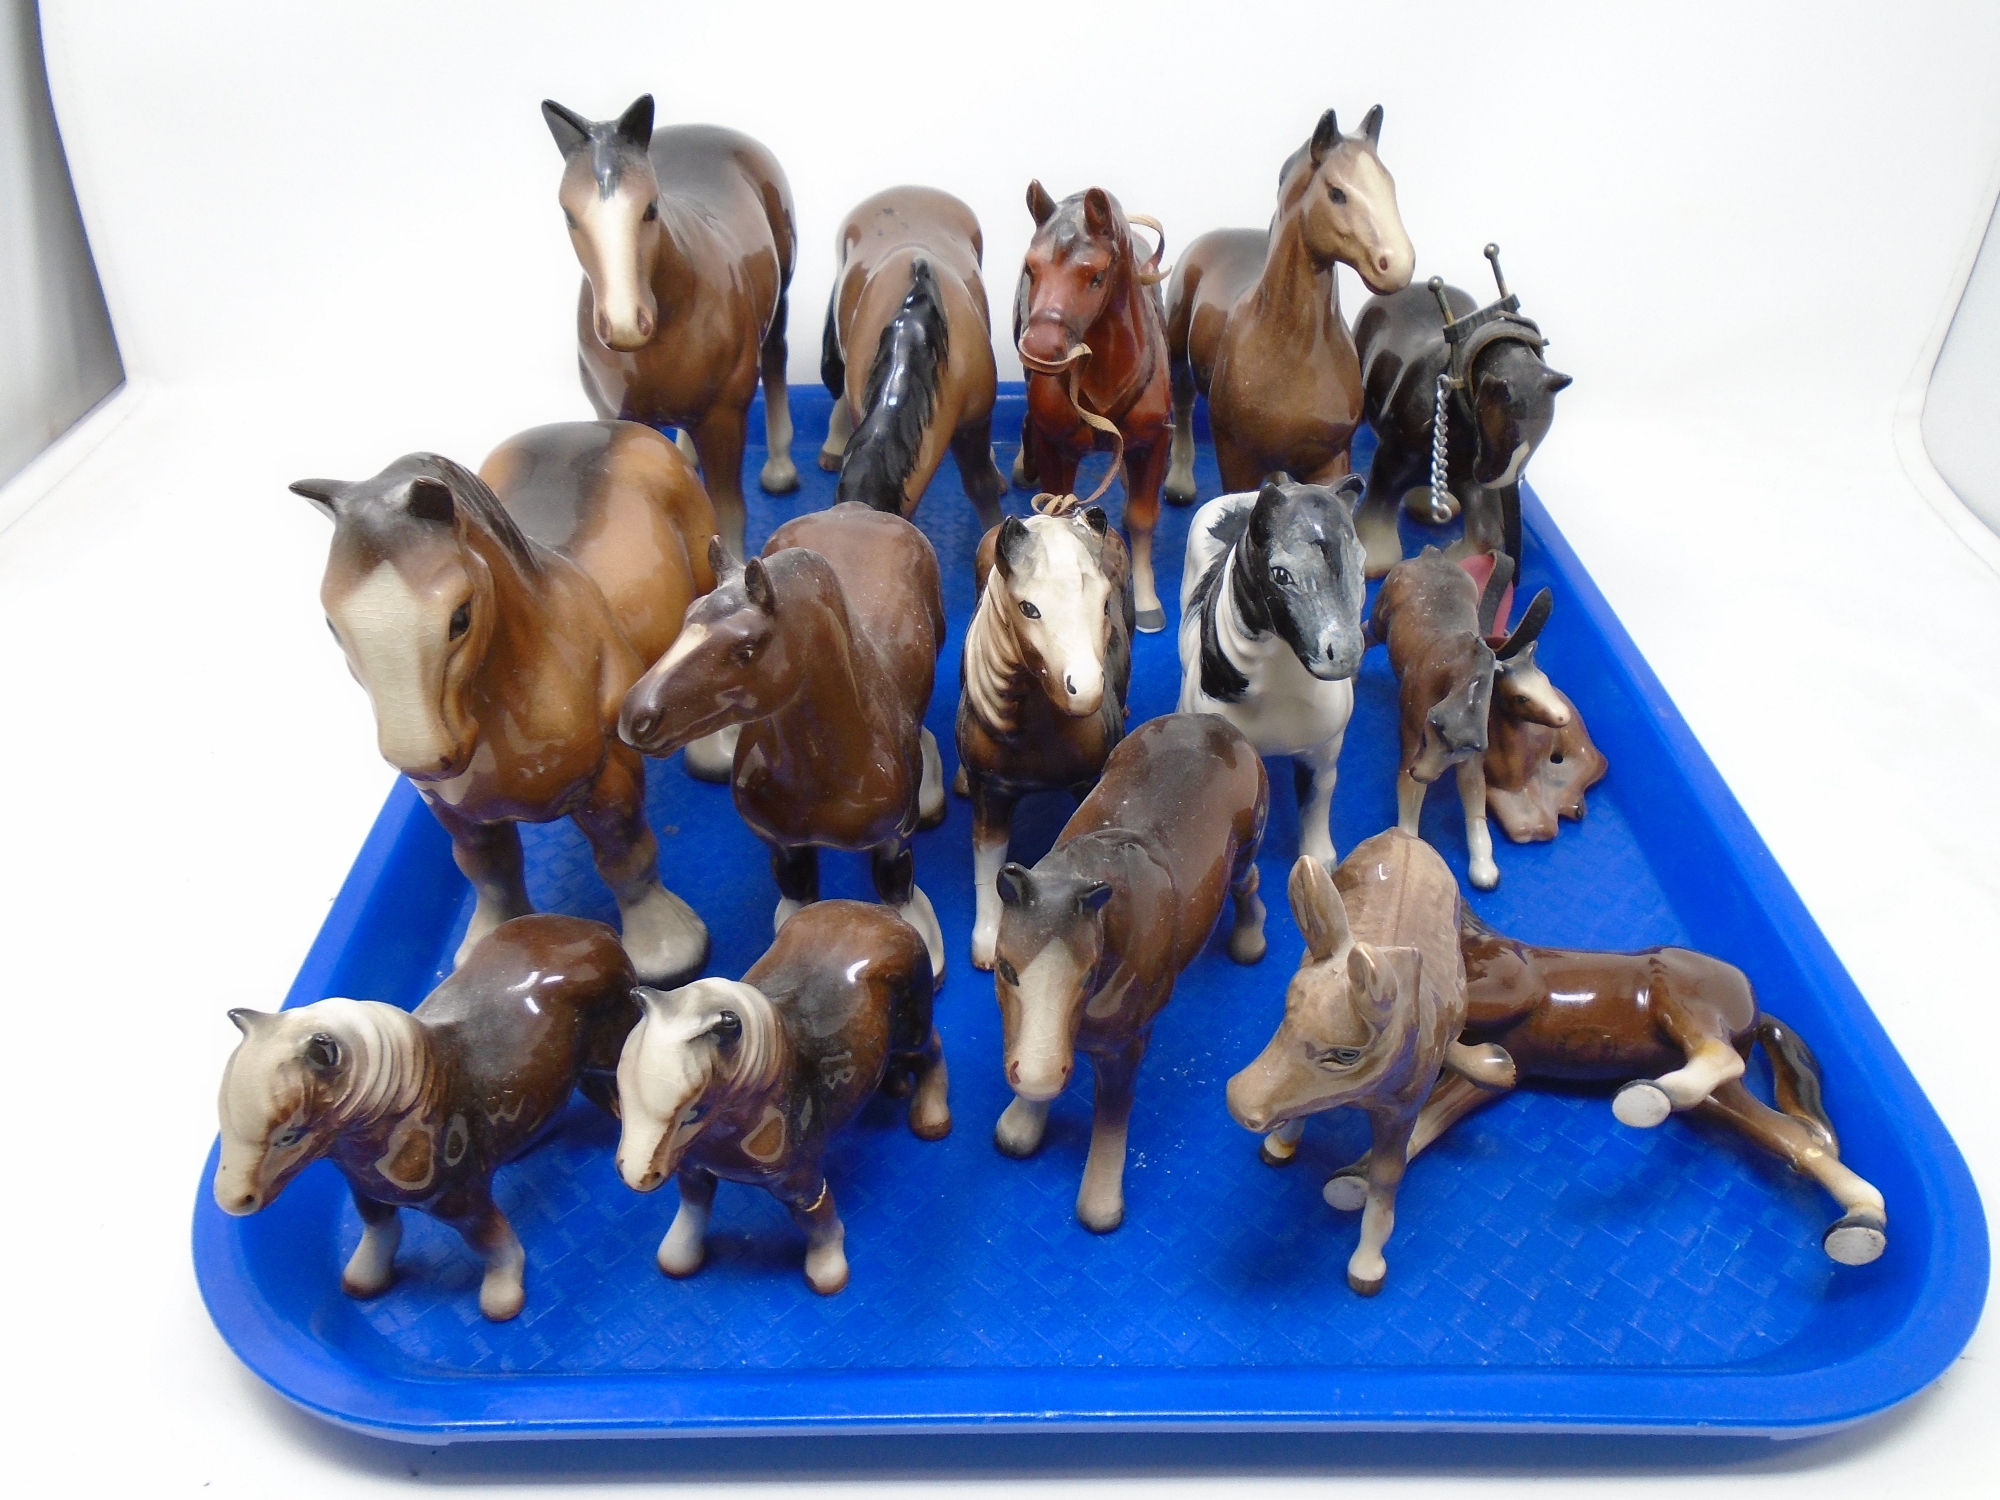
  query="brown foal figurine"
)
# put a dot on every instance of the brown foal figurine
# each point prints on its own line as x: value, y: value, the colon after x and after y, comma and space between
x: 687, y: 242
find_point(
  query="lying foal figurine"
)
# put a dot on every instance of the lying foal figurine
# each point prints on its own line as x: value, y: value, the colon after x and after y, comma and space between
x: 1540, y: 759
x: 417, y: 1108
x: 746, y: 1079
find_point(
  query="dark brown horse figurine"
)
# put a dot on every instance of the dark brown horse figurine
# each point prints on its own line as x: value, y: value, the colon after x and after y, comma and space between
x: 908, y: 354
x: 824, y: 650
x: 1253, y: 317
x: 497, y: 623
x: 417, y: 1108
x: 687, y: 243
x: 747, y: 1079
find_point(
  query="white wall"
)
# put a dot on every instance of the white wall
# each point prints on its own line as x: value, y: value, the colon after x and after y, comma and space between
x: 1962, y: 407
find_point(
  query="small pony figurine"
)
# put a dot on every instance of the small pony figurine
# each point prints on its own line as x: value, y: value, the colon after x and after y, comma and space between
x: 417, y: 1108
x: 1270, y: 634
x: 1540, y: 759
x: 1093, y: 937
x: 747, y: 1079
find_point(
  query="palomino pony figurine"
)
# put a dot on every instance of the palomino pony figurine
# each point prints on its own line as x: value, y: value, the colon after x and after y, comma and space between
x: 1271, y: 631
x: 824, y: 650
x: 417, y: 1108
x: 1371, y: 1016
x: 908, y: 300
x: 1675, y: 1028
x: 1093, y: 938
x: 1092, y: 337
x: 1253, y: 317
x: 687, y: 242
x: 497, y: 620
x: 1048, y: 659
x: 747, y: 1079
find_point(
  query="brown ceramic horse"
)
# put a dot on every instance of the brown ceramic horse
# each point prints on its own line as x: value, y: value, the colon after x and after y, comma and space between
x: 687, y: 244
x: 497, y: 620
x: 908, y: 354
x: 1087, y: 319
x: 1253, y: 317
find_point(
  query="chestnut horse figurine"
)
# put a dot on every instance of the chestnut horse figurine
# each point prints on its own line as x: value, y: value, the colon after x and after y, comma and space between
x: 747, y: 1079
x: 687, y: 242
x: 1253, y: 317
x: 417, y: 1108
x: 909, y: 302
x: 1673, y: 1026
x: 824, y: 650
x: 497, y: 620
x: 1540, y: 759
x: 1093, y: 937
x: 1091, y: 336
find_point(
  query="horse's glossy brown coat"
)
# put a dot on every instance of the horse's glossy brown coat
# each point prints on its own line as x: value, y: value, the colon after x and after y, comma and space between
x: 1536, y: 774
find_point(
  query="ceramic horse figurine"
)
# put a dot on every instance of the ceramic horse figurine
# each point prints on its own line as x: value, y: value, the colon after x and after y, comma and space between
x: 1047, y: 662
x: 824, y: 650
x: 1094, y: 936
x: 1090, y: 332
x: 1270, y: 634
x: 1540, y: 759
x: 1500, y: 402
x: 1371, y: 1017
x: 687, y: 241
x: 1675, y: 1028
x: 1253, y: 317
x: 417, y: 1108
x: 908, y: 289
x: 497, y: 620
x: 747, y: 1079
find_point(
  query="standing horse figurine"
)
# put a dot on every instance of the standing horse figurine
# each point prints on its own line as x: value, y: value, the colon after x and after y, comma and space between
x: 1496, y: 404
x: 418, y: 1108
x: 687, y: 243
x: 1048, y: 660
x: 1092, y: 338
x: 908, y: 297
x: 1271, y: 631
x: 497, y: 621
x: 1253, y: 317
x: 824, y: 650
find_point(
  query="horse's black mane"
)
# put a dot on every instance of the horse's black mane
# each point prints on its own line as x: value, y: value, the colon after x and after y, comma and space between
x: 1219, y: 677
x: 900, y: 396
x: 476, y: 496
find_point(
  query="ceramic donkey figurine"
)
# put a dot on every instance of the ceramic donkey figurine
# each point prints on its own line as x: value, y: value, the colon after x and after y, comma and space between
x: 1048, y: 659
x: 417, y: 1108
x: 1094, y: 936
x: 747, y: 1079
x: 1270, y: 634
x: 1540, y: 759
x: 1371, y: 1016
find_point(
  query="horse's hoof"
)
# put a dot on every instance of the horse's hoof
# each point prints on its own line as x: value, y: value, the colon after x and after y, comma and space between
x: 502, y: 1302
x: 712, y: 758
x: 930, y: 1127
x: 830, y: 1281
x: 779, y: 476
x: 830, y: 461
x: 363, y: 1291
x: 1857, y: 1239
x: 1247, y: 948
x: 1271, y: 1156
x: 1642, y: 1104
x: 1349, y: 1194
x: 1101, y: 1218
x: 1483, y: 874
x: 1178, y: 494
x: 1022, y: 475
x: 1151, y: 621
x: 1366, y: 1288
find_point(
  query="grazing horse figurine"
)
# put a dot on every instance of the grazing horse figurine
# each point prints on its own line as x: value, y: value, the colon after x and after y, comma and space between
x: 747, y: 1079
x: 1271, y: 631
x: 1253, y: 317
x: 1500, y: 402
x: 824, y: 650
x: 1371, y: 1016
x: 908, y: 289
x: 417, y: 1108
x: 1093, y: 938
x: 1048, y: 659
x: 1674, y: 1027
x: 687, y: 243
x: 497, y: 620
x: 1091, y: 335
x: 1540, y: 759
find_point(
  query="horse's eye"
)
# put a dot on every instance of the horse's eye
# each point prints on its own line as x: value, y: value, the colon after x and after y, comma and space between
x: 1030, y: 611
x: 1336, y: 195
x: 1281, y: 577
x: 288, y: 1139
x: 745, y: 653
x: 1107, y: 604
x: 1344, y: 1057
x: 1006, y: 971
x: 652, y: 211
x: 461, y: 620
x: 1097, y: 280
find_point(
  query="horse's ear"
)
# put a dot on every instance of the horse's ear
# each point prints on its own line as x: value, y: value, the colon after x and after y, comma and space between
x: 1555, y: 380
x: 1040, y: 204
x: 1495, y: 590
x: 635, y: 126
x: 1376, y: 978
x: 757, y: 584
x: 1371, y: 125
x: 1317, y: 908
x: 324, y: 493
x: 1350, y: 490
x: 1097, y: 211
x: 1096, y: 520
x: 1015, y: 883
x: 321, y: 1052
x: 247, y: 1020
x: 1324, y: 137
x: 570, y: 129
x: 720, y: 562
x: 431, y: 500
x: 1010, y: 547
x: 1094, y: 896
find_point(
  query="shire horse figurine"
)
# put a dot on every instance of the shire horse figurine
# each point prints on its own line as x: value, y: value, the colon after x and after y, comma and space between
x: 1093, y: 937
x: 687, y: 241
x: 823, y: 650
x: 1092, y: 338
x: 1253, y: 317
x: 747, y: 1079
x: 1271, y: 631
x: 496, y: 621
x: 1675, y: 1028
x: 417, y: 1108
x: 908, y: 289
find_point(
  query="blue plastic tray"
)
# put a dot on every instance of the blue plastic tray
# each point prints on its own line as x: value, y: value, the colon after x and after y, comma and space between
x: 1550, y: 1268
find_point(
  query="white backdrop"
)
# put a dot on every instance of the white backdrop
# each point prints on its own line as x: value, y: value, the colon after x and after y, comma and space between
x: 328, y: 235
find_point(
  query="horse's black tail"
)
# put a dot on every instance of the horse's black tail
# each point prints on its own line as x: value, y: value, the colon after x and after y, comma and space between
x: 832, y: 368
x: 900, y: 397
x: 1472, y: 924
x: 1795, y: 1078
